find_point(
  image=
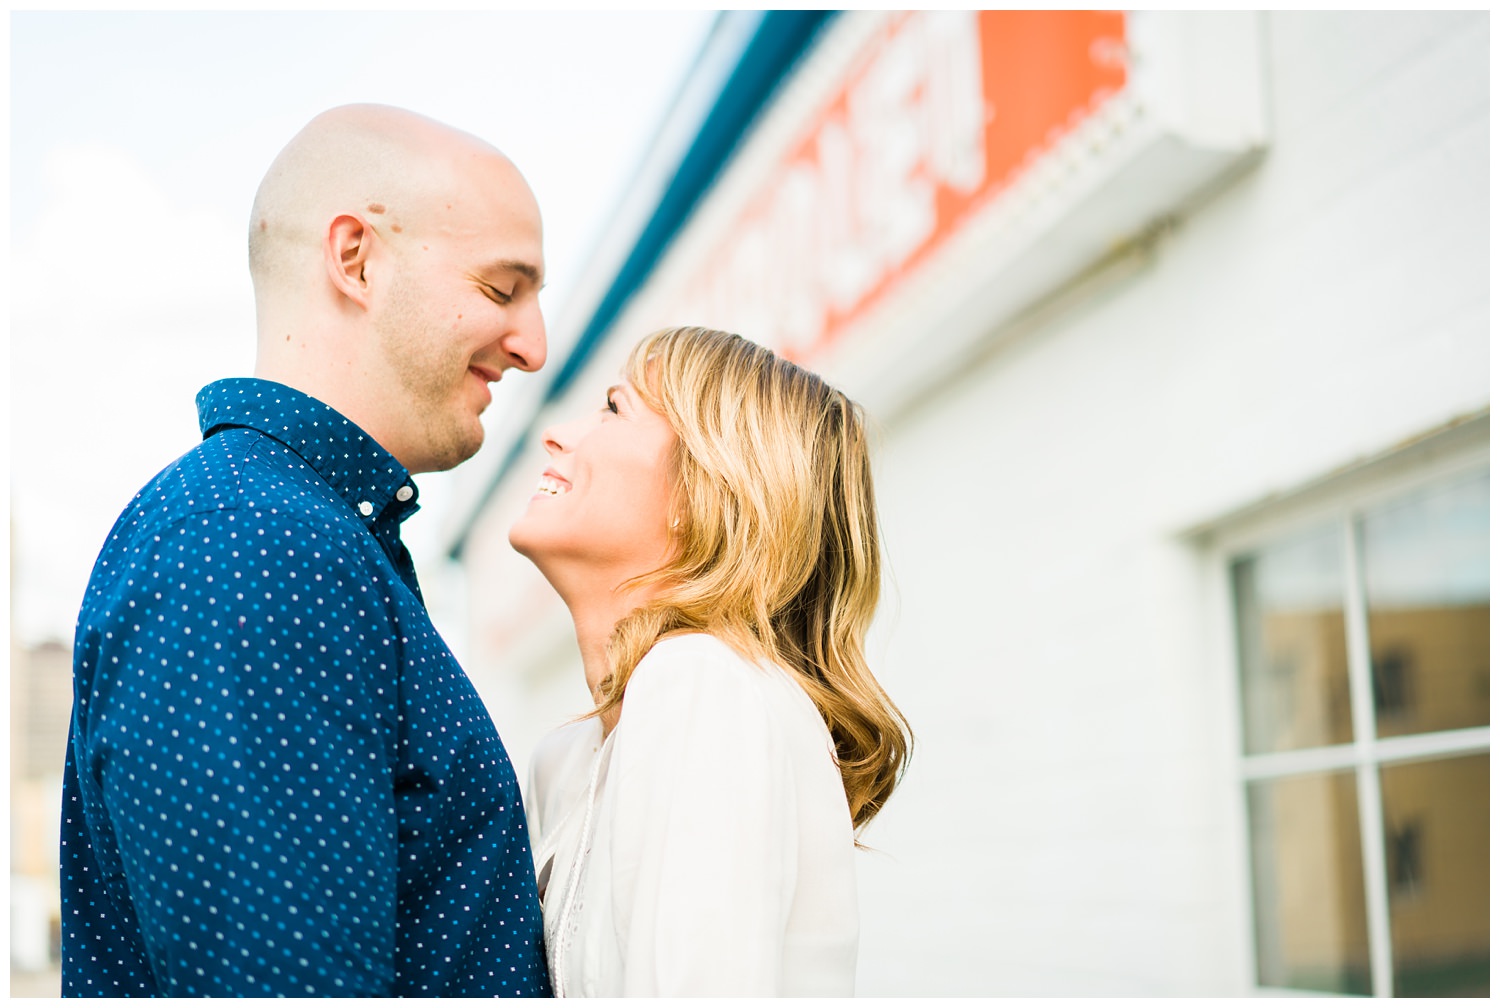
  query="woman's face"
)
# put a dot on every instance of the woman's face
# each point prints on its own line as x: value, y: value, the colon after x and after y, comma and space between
x: 604, y: 497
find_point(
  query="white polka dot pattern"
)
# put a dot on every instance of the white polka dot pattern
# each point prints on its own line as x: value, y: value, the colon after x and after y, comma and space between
x: 279, y: 781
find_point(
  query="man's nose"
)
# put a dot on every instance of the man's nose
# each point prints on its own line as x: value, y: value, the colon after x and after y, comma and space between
x: 525, y: 345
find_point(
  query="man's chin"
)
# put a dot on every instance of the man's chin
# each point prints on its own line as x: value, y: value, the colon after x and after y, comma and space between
x: 442, y: 457
x: 460, y: 455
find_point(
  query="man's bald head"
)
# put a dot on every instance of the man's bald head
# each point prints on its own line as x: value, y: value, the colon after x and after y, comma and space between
x: 397, y: 263
x: 385, y: 163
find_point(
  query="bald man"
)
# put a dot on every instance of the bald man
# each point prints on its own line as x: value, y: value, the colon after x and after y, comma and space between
x: 279, y: 781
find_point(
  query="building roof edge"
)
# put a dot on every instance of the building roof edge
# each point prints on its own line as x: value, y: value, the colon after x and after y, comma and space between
x: 769, y: 45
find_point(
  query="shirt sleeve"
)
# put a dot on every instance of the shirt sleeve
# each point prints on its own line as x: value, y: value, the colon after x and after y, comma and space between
x: 238, y: 744
x: 702, y: 850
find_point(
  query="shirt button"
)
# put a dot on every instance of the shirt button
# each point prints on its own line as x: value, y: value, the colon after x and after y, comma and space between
x: 366, y: 508
x: 404, y: 494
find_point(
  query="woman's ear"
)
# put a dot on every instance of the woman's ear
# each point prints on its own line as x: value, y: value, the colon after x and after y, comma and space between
x: 346, y: 251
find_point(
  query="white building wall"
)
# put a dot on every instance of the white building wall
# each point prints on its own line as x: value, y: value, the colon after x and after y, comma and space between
x: 1071, y: 822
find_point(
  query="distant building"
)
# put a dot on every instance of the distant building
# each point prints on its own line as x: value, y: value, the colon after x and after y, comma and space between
x: 1176, y: 331
x: 41, y: 700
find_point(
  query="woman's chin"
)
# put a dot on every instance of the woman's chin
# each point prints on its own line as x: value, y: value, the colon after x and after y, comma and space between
x: 523, y: 541
x: 547, y: 553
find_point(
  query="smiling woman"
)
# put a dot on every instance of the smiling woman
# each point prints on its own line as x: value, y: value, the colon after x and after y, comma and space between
x: 712, y: 531
x: 599, y: 516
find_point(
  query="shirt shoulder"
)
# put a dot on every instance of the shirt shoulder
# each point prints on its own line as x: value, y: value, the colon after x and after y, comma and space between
x: 235, y: 471
x: 243, y: 468
x: 699, y: 679
x: 685, y: 658
x: 232, y: 507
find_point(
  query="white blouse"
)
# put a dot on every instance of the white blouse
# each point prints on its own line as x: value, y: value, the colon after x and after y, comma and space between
x: 705, y: 847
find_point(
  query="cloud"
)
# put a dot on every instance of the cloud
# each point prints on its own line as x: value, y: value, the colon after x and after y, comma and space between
x: 125, y: 302
x: 111, y: 242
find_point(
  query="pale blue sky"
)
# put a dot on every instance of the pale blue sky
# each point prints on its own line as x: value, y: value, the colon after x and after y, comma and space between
x: 137, y: 141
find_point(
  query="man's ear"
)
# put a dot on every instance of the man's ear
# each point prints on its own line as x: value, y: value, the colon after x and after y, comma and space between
x: 346, y: 251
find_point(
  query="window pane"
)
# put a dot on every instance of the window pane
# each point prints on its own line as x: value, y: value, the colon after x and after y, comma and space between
x: 1427, y: 577
x: 1437, y: 822
x: 1309, y: 884
x: 1294, y: 673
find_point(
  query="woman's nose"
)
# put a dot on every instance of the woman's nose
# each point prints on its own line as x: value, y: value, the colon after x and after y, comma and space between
x: 563, y: 437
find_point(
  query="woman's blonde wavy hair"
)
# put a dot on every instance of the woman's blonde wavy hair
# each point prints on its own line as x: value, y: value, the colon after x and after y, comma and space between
x: 776, y: 546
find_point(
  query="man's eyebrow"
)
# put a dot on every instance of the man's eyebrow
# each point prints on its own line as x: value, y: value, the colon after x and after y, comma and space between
x: 521, y: 266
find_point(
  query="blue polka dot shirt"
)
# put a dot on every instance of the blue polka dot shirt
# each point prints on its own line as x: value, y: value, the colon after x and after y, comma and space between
x: 278, y: 780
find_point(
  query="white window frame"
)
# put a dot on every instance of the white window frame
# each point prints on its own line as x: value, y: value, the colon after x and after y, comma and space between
x: 1460, y: 450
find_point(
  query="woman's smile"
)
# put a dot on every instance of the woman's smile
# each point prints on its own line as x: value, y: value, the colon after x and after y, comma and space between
x: 551, y: 485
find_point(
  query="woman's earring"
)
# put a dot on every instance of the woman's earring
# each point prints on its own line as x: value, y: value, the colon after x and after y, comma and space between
x: 676, y: 522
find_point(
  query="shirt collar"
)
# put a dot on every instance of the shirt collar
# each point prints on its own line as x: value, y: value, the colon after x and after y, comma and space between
x: 363, y: 473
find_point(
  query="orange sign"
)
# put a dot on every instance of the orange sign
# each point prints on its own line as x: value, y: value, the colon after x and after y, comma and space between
x: 936, y: 116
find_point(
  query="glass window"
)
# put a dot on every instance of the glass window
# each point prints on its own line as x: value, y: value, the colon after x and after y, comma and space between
x: 1437, y: 861
x: 1427, y: 581
x: 1309, y: 893
x: 1294, y: 670
x: 1363, y: 652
